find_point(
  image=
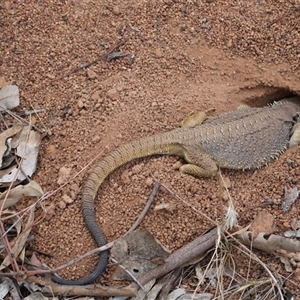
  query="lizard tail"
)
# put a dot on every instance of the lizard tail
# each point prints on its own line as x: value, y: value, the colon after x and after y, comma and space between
x: 156, y: 144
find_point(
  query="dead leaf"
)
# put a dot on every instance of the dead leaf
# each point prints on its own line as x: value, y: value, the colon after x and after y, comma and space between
x: 290, y: 196
x: 20, y: 242
x: 287, y: 265
x: 295, y: 224
x: 7, y: 286
x: 135, y: 252
x: 36, y: 296
x: 271, y: 243
x: 264, y: 222
x: 9, y: 97
x: 13, y: 218
x: 3, y: 139
x: 26, y: 143
x: 35, y: 262
x: 31, y: 189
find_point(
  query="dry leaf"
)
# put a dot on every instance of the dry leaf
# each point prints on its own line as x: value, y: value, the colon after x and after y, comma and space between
x: 9, y: 97
x: 135, y: 252
x: 3, y: 139
x: 270, y: 244
x: 8, y: 286
x: 20, y: 242
x: 264, y: 222
x: 290, y: 196
x: 287, y: 265
x: 36, y: 296
x: 31, y: 189
x: 13, y: 217
x: 26, y: 143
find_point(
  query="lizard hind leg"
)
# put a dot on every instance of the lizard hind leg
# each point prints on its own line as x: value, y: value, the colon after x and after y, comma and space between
x: 199, y: 163
x: 295, y: 138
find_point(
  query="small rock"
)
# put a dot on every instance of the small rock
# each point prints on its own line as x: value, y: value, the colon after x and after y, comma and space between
x: 158, y: 53
x: 80, y: 104
x: 50, y: 211
x: 96, y: 96
x: 137, y: 169
x: 113, y: 94
x: 149, y: 181
x: 224, y: 196
x: 63, y: 175
x: 67, y: 199
x: 125, y: 177
x: 51, y: 150
x: 96, y: 139
x: 62, y: 204
x: 51, y: 76
x: 177, y: 165
x: 91, y: 74
x: 74, y: 187
x: 154, y: 103
x: 226, y: 181
x: 116, y: 10
x: 73, y: 195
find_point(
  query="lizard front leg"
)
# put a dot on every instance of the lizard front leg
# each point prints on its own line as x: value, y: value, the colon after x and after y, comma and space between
x: 195, y: 118
x: 199, y: 163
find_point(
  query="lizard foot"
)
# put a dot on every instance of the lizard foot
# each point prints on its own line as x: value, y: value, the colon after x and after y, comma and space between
x: 295, y: 138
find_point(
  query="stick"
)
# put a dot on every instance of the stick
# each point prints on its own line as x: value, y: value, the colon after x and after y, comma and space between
x: 96, y: 290
x: 146, y: 208
x: 182, y: 256
x: 283, y: 16
x: 103, y: 56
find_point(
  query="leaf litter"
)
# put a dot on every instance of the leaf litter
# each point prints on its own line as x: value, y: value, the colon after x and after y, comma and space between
x: 19, y: 148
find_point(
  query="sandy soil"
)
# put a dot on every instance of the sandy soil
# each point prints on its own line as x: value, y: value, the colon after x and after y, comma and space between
x: 188, y: 56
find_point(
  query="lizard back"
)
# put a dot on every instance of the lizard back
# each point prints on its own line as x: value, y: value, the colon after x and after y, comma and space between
x: 246, y: 138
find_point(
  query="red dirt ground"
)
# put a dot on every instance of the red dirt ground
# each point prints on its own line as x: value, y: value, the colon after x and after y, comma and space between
x: 189, y: 56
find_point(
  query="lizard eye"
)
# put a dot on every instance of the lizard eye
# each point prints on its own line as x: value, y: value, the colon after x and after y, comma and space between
x: 296, y: 118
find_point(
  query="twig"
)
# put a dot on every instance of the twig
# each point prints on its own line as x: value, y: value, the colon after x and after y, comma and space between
x: 182, y: 256
x: 103, y: 56
x: 94, y: 290
x: 20, y: 119
x: 3, y: 120
x: 146, y: 208
x: 186, y: 203
x: 129, y: 273
x: 283, y: 16
x: 169, y: 283
x: 241, y: 247
x: 31, y: 112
